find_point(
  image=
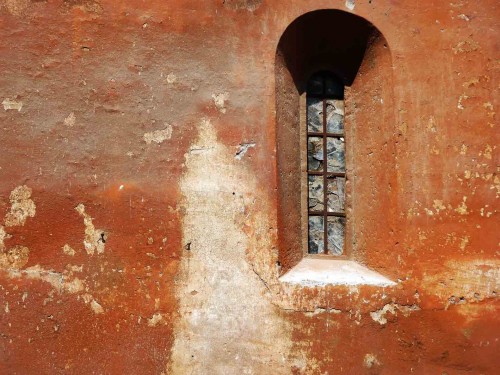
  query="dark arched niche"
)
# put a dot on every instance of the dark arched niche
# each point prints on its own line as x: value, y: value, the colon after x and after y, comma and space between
x: 352, y: 49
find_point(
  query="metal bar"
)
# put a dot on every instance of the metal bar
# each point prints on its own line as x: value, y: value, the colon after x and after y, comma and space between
x: 322, y: 213
x: 325, y: 178
x: 328, y: 174
x: 318, y: 134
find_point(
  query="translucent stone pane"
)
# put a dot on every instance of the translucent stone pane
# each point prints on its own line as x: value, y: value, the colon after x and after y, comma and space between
x: 314, y: 115
x: 316, y: 235
x: 315, y: 154
x: 335, y: 116
x: 316, y: 193
x: 315, y: 85
x: 336, y: 194
x: 334, y: 87
x: 336, y: 234
x: 335, y: 148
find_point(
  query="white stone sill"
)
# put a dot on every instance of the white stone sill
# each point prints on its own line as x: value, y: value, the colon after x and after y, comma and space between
x: 321, y: 272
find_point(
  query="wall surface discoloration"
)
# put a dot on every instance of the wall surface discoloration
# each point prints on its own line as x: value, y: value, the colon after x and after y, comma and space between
x: 163, y: 123
x: 226, y: 324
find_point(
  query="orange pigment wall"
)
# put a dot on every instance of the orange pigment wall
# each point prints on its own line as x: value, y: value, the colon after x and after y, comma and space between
x: 139, y: 190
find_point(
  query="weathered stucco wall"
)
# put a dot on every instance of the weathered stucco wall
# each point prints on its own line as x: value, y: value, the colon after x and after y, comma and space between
x: 139, y: 190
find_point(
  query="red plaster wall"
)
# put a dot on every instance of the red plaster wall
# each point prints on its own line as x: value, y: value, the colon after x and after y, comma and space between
x: 108, y: 63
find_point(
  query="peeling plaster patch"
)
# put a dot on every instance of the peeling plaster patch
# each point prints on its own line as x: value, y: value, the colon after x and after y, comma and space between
x: 250, y: 5
x: 68, y: 250
x: 370, y: 360
x: 158, y: 136
x: 379, y: 316
x: 21, y: 208
x: 7, y: 310
x: 242, y: 150
x: 464, y: 281
x: 96, y: 307
x: 94, y: 239
x: 220, y: 101
x: 212, y: 328
x: 156, y: 319
x: 463, y: 242
x: 438, y: 205
x: 466, y: 46
x: 171, y: 78
x: 350, y: 4
x: 463, y: 149
x: 70, y: 120
x: 56, y: 279
x: 460, y: 101
x: 462, y: 208
x: 3, y: 236
x: 12, y: 104
x: 14, y: 258
x: 487, y: 152
x: 463, y: 17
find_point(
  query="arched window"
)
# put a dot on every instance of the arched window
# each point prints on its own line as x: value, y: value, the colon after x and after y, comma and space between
x: 335, y: 148
x: 326, y: 164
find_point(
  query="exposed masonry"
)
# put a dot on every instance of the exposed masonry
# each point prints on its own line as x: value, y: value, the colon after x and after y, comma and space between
x: 94, y: 239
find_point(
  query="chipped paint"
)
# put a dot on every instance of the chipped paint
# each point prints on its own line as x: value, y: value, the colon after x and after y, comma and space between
x: 95, y: 239
x: 22, y: 207
x: 158, y: 136
x: 12, y: 104
x: 220, y: 101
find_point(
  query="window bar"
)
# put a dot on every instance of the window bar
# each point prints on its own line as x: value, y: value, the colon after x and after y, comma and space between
x: 325, y: 178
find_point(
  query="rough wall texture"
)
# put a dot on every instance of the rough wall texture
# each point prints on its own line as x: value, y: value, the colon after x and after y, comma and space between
x: 138, y: 193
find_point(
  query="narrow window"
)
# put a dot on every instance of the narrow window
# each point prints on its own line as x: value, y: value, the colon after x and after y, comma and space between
x: 325, y: 164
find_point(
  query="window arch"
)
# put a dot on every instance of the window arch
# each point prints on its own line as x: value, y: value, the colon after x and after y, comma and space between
x: 334, y: 102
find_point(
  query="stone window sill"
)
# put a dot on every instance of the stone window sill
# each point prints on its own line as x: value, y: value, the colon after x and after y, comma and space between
x: 321, y: 272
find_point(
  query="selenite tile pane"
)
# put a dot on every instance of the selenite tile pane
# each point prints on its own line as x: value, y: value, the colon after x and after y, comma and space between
x: 316, y: 193
x: 315, y: 154
x: 336, y: 194
x: 336, y: 234
x: 335, y: 154
x: 316, y: 235
x: 314, y: 115
x: 335, y: 116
